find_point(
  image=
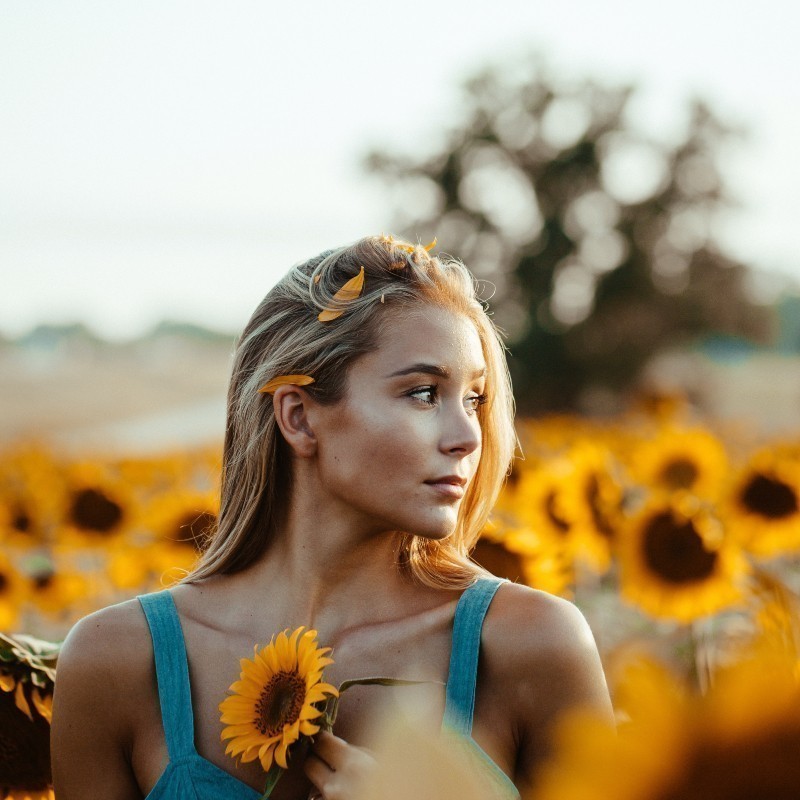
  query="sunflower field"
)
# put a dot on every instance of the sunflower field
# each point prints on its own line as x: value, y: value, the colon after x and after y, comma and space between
x: 678, y: 539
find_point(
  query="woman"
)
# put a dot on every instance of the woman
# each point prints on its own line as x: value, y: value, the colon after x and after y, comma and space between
x: 349, y: 504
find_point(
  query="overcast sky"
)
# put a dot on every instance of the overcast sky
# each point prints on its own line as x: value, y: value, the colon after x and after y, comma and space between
x: 175, y: 158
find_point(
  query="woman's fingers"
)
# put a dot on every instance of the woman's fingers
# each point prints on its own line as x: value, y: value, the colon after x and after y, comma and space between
x: 317, y: 771
x: 335, y: 767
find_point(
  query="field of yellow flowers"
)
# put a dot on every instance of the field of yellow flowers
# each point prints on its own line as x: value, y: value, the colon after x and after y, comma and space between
x: 679, y: 541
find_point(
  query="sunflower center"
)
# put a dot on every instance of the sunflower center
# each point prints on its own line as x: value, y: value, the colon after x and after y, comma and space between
x: 194, y: 528
x: 680, y: 473
x: 769, y: 497
x: 499, y: 561
x: 94, y: 511
x: 675, y: 552
x: 280, y: 703
x: 21, y: 521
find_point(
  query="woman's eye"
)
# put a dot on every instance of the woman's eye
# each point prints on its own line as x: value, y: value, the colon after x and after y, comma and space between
x: 477, y: 400
x: 429, y: 390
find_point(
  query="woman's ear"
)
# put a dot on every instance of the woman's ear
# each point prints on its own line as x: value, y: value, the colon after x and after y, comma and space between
x: 292, y: 405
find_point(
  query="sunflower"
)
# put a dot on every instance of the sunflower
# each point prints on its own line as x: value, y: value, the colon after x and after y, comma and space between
x: 98, y: 507
x: 12, y: 593
x: 274, y: 700
x: 675, y: 561
x: 738, y: 741
x: 183, y: 516
x: 27, y: 675
x: 593, y: 501
x: 690, y: 459
x: 762, y: 507
x: 56, y: 588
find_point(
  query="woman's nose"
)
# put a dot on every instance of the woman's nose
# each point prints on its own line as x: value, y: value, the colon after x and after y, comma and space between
x: 462, y: 433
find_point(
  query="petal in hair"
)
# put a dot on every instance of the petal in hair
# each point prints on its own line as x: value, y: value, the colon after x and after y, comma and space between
x: 350, y: 291
x: 282, y: 380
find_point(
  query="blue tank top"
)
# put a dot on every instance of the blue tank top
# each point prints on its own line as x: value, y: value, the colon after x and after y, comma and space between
x: 189, y: 776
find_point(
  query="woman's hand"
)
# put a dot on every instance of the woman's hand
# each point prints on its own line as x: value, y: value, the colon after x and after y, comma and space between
x: 337, y: 769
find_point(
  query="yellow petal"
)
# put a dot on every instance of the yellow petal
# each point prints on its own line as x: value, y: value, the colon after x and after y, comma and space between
x: 308, y: 729
x: 283, y: 380
x: 316, y: 278
x: 7, y: 682
x: 431, y: 245
x: 280, y: 754
x: 350, y: 291
x: 44, y: 705
x: 22, y: 702
x: 293, y: 639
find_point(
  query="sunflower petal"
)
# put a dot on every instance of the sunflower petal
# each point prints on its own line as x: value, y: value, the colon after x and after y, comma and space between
x: 307, y: 728
x: 283, y: 380
x: 21, y: 701
x: 350, y: 291
x: 44, y: 705
x: 280, y: 754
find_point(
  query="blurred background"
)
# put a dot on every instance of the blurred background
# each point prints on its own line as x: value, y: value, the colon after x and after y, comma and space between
x: 621, y: 177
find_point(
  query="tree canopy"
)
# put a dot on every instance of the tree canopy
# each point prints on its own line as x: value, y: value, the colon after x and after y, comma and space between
x: 599, y: 240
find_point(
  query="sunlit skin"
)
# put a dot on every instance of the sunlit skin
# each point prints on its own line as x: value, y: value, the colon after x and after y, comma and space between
x: 360, y: 469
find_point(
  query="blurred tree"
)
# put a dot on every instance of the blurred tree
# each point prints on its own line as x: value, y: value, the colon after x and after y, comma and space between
x: 598, y: 239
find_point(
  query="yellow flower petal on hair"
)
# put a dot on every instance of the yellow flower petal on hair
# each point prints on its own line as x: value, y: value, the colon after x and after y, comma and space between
x: 284, y: 380
x: 350, y: 291
x: 431, y: 245
x: 316, y: 278
x: 7, y: 682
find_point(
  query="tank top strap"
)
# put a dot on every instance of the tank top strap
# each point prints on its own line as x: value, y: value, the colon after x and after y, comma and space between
x: 462, y: 678
x: 172, y: 672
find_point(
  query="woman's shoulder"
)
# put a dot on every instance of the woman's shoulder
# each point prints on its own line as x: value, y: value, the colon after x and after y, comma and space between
x: 540, y: 650
x: 113, y: 634
x: 105, y: 653
x: 524, y: 622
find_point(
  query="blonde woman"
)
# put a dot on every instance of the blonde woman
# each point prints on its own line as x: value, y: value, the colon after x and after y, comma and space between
x: 351, y: 498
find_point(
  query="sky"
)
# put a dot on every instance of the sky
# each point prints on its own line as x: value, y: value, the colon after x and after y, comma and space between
x: 174, y: 158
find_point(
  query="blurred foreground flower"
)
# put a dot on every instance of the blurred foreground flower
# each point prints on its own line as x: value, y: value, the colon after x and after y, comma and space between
x: 413, y: 762
x: 739, y: 742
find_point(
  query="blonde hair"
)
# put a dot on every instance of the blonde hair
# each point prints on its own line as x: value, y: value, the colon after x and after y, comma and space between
x: 284, y: 336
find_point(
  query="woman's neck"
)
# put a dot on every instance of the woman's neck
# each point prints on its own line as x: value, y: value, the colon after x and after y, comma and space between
x: 329, y: 568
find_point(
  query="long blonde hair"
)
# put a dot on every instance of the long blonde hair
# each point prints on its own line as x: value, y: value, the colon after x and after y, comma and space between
x: 284, y: 337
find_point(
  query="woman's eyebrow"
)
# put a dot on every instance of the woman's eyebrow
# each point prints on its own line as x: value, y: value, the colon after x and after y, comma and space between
x: 432, y: 369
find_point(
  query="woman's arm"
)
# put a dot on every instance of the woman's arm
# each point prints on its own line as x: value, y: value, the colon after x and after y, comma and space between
x: 87, y: 736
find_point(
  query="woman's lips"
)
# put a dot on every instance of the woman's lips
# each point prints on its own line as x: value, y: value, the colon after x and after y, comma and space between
x: 452, y: 487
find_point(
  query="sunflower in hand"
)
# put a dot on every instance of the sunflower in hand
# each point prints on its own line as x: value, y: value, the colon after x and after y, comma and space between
x: 275, y: 700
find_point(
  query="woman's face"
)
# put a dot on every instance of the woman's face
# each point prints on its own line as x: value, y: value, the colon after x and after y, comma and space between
x: 409, y: 418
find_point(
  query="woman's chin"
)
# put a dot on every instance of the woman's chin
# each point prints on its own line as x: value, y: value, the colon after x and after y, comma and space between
x: 436, y: 531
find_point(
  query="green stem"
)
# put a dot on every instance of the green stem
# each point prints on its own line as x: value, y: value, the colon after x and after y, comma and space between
x: 332, y: 706
x: 273, y: 776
